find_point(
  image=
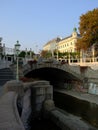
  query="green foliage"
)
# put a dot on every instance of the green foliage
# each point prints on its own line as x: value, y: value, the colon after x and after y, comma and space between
x: 32, y: 53
x: 88, y: 30
x: 22, y: 54
x: 46, y: 54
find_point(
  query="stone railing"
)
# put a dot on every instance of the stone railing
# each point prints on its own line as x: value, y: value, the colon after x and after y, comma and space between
x: 9, y: 116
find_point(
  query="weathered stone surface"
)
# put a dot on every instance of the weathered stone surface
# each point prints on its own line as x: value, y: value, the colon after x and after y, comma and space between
x: 9, y: 116
x: 36, y: 84
x: 69, y: 122
x: 70, y: 69
x: 27, y: 85
x: 16, y: 86
x: 42, y: 92
x: 41, y: 82
x: 48, y: 105
x: 26, y: 111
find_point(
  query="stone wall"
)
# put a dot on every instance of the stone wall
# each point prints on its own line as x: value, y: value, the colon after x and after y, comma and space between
x: 68, y: 122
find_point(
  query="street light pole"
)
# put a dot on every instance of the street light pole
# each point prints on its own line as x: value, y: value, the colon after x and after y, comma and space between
x: 17, y: 47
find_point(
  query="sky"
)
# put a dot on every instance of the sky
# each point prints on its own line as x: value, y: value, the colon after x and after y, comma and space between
x: 34, y: 22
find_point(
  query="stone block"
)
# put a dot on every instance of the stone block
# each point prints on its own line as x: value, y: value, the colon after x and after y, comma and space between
x: 39, y: 99
x: 96, y: 90
x: 49, y: 89
x: 38, y: 107
x: 49, y: 96
x: 92, y: 88
x: 16, y: 86
x: 40, y: 90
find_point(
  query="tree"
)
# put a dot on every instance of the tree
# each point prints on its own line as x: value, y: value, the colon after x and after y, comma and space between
x: 88, y: 28
x: 22, y: 54
x: 46, y: 54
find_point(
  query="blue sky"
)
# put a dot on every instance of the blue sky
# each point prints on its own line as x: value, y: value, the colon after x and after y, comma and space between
x: 35, y: 22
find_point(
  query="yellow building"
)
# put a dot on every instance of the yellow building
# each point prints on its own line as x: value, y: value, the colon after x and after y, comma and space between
x: 66, y: 44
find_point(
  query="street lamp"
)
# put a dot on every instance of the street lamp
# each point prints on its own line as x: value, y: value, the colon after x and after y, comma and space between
x: 17, y: 47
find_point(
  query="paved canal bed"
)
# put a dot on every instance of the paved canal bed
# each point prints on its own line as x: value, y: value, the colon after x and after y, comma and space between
x: 88, y: 111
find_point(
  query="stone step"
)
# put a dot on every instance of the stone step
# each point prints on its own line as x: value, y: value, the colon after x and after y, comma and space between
x: 5, y: 75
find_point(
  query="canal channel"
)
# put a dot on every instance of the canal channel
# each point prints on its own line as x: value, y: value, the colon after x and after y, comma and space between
x: 43, y: 124
x: 84, y: 109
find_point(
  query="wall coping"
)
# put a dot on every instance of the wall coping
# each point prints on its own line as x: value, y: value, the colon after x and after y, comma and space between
x: 9, y: 117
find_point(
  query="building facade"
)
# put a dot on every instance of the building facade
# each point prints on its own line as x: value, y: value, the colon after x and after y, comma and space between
x: 66, y: 44
x: 52, y: 45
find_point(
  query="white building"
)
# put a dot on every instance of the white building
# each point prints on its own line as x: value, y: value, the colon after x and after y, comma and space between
x: 51, y: 45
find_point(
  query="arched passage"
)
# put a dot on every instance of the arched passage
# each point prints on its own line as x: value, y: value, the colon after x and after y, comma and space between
x: 57, y: 77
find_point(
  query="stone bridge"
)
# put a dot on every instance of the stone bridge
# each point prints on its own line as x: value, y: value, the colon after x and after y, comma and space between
x: 62, y: 74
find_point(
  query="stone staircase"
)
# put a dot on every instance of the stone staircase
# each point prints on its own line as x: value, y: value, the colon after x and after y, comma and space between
x: 6, y: 74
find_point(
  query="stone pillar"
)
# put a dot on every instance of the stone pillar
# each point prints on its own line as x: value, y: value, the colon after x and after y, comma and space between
x: 41, y: 91
x: 26, y: 56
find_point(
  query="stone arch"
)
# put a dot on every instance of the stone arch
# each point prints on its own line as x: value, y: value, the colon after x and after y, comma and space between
x: 56, y: 74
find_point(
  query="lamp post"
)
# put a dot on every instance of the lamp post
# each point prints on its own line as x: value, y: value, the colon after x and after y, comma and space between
x: 17, y: 47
